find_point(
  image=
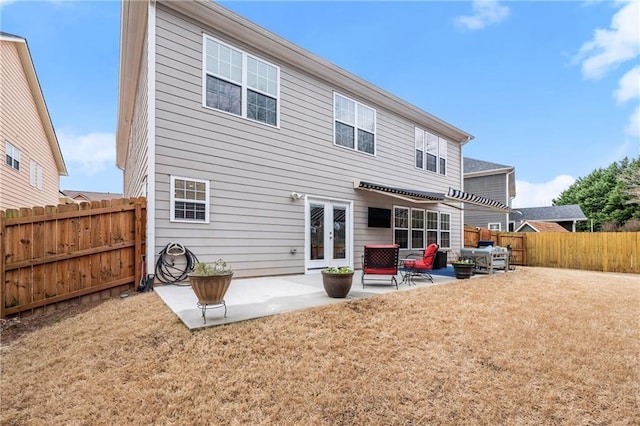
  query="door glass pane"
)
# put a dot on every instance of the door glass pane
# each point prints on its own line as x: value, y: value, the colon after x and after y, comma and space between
x: 339, y: 232
x: 316, y: 221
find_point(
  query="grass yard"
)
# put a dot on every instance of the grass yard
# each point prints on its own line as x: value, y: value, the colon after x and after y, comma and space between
x: 538, y: 346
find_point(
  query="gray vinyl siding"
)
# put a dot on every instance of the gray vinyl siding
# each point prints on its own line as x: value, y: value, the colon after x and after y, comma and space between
x: 135, y: 172
x: 492, y: 187
x: 253, y: 168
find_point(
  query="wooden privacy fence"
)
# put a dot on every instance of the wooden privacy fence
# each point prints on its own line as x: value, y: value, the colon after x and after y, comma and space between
x: 516, y: 240
x: 595, y: 251
x: 55, y: 253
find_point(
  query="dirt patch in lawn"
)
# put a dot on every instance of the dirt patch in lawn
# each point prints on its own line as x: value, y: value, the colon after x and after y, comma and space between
x: 538, y: 346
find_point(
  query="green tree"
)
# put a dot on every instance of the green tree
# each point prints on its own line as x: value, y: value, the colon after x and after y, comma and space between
x: 606, y: 195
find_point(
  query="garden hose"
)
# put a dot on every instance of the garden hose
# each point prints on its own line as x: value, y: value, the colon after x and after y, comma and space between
x: 174, y: 263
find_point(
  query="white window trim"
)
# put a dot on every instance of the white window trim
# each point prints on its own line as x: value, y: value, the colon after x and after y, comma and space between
x: 14, y: 153
x: 408, y: 228
x: 172, y: 200
x: 442, y: 231
x: 355, y: 141
x: 440, y: 155
x: 438, y: 230
x: 244, y: 88
x: 490, y: 224
x: 423, y: 229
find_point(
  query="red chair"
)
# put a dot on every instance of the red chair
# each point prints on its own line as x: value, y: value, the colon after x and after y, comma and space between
x: 380, y: 260
x: 421, y: 267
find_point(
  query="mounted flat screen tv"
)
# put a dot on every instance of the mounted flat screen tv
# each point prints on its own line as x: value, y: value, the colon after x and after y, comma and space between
x: 379, y: 218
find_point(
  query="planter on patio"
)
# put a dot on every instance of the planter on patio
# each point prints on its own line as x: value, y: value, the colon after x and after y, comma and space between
x: 463, y: 269
x: 210, y: 283
x: 337, y: 281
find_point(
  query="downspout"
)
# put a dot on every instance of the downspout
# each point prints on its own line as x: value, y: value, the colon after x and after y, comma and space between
x: 151, y: 139
x: 462, y: 143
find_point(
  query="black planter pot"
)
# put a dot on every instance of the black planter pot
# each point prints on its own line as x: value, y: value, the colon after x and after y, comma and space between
x: 463, y: 270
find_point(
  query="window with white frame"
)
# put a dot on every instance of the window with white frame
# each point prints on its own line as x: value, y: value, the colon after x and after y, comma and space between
x: 401, y: 227
x: 239, y: 83
x: 431, y: 152
x: 35, y: 174
x: 12, y: 155
x: 189, y: 200
x: 417, y: 228
x: 442, y: 153
x: 432, y: 227
x: 419, y: 139
x: 497, y: 226
x: 445, y: 230
x: 355, y: 125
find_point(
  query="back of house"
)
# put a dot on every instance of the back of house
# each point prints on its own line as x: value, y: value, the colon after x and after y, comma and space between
x: 252, y: 149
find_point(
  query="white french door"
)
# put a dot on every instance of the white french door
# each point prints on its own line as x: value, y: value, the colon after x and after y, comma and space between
x: 328, y: 234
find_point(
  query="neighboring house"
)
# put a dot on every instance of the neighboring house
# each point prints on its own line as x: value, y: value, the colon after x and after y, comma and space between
x: 490, y: 180
x: 83, y: 196
x: 32, y: 161
x: 533, y: 226
x: 252, y: 149
x: 565, y: 216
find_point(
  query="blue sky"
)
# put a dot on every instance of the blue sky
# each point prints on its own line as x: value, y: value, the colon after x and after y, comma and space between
x: 551, y: 88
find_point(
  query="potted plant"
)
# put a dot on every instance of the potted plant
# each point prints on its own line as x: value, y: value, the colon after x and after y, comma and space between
x: 463, y: 268
x: 210, y: 282
x: 337, y: 281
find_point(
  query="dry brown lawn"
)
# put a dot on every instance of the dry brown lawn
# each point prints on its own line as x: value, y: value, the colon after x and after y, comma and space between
x: 539, y: 346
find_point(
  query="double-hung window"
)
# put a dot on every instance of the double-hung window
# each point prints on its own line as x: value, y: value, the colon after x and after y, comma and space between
x: 432, y: 227
x: 417, y: 229
x: 445, y: 230
x: 355, y: 125
x: 189, y: 200
x: 12, y: 155
x: 401, y: 227
x: 431, y: 152
x: 240, y: 84
x: 409, y: 228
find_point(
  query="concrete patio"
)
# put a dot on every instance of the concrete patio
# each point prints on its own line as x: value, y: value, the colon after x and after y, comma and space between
x: 249, y: 298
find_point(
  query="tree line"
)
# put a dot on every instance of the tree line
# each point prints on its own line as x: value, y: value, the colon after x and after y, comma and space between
x: 609, y: 197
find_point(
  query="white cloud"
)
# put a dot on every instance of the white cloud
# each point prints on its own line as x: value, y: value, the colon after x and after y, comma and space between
x: 633, y: 128
x: 611, y: 47
x: 628, y: 86
x: 540, y: 194
x: 93, y: 152
x: 485, y: 13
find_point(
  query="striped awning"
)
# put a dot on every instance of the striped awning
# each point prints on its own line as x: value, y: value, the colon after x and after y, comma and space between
x: 425, y: 197
x: 456, y: 194
x: 413, y: 194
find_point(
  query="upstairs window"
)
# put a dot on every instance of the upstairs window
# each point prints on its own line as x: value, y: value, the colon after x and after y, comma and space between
x: 240, y: 84
x: 431, y: 152
x: 189, y: 200
x: 355, y: 125
x: 12, y: 155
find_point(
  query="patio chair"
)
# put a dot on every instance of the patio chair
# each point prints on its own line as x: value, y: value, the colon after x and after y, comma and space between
x: 420, y: 267
x: 380, y: 260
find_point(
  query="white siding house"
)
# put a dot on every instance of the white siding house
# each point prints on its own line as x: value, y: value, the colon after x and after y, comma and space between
x: 252, y: 149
